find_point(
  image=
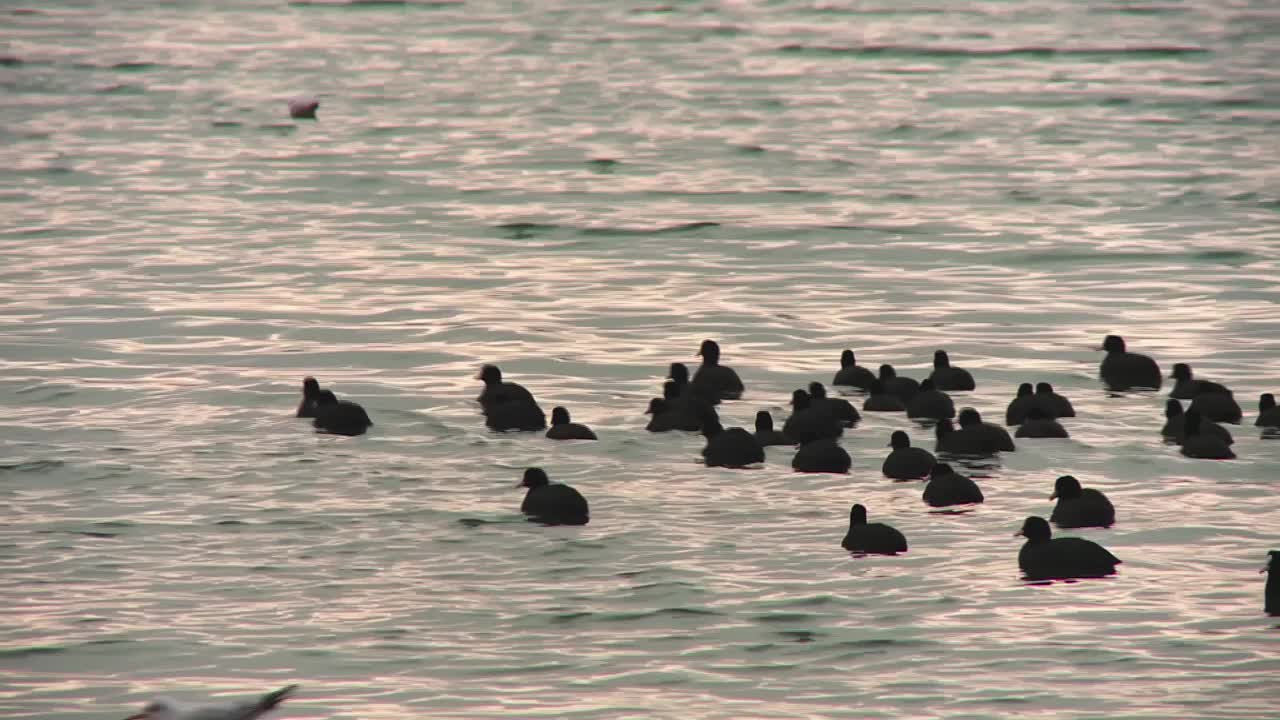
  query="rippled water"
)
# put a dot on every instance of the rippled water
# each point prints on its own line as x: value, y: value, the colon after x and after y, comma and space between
x: 581, y: 193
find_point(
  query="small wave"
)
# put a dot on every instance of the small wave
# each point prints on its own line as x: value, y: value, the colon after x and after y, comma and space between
x: 1139, y: 9
x: 571, y: 617
x: 785, y: 617
x: 634, y: 232
x: 1033, y: 51
x: 373, y: 4
x: 34, y: 651
x: 121, y: 89
x: 660, y: 612
x: 32, y: 466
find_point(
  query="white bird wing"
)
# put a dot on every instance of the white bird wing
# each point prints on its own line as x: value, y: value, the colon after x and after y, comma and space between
x: 244, y: 710
x: 247, y: 710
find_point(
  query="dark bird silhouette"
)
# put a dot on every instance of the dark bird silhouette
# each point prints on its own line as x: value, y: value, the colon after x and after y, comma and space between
x: 1217, y: 407
x: 563, y: 429
x: 661, y: 419
x: 731, y: 448
x: 310, y: 396
x: 1186, y: 387
x: 1054, y: 405
x: 765, y: 433
x: 714, y: 379
x: 339, y: 417
x: 881, y: 400
x: 552, y: 503
x: 820, y: 455
x: 959, y: 442
x: 1039, y: 425
x: 839, y: 408
x: 678, y: 373
x: 1080, y: 507
x: 904, y: 387
x: 1201, y: 445
x: 851, y: 373
x: 1175, y: 425
x: 1044, y: 557
x: 947, y: 377
x: 947, y: 487
x: 1268, y: 413
x: 994, y: 437
x: 807, y: 420
x: 508, y: 405
x: 905, y: 462
x: 871, y: 538
x: 1273, y: 583
x: 1020, y: 405
x: 930, y: 402
x: 1123, y: 370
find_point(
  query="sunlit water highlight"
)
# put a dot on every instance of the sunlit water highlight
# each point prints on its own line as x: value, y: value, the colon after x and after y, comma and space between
x: 582, y: 192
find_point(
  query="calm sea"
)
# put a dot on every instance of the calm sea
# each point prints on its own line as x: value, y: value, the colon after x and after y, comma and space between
x: 581, y: 192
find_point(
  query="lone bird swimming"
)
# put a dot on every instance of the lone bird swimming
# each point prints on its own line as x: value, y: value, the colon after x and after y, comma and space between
x: 164, y: 708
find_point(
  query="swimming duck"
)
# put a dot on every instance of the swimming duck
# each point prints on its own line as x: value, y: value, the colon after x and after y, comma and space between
x: 731, y: 448
x: 765, y: 433
x: 1123, y: 370
x: 947, y: 487
x: 994, y: 437
x: 881, y: 400
x: 712, y: 378
x: 1268, y: 413
x: 947, y: 377
x: 959, y: 442
x: 563, y: 429
x: 1054, y: 405
x: 1175, y: 425
x: 552, y: 503
x: 1020, y: 405
x: 339, y: 417
x: 931, y: 403
x: 871, y: 538
x: 820, y: 455
x: 851, y: 373
x: 1201, y: 445
x: 508, y: 405
x: 904, y: 387
x: 1186, y: 387
x: 1044, y: 557
x: 839, y: 408
x: 808, y: 420
x: 905, y: 462
x: 310, y: 394
x: 1080, y: 507
x: 1039, y: 425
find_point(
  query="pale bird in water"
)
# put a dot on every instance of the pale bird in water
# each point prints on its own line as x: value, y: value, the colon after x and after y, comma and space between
x: 168, y: 709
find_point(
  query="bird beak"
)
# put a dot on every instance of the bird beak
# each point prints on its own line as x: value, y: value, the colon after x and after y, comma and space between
x: 1018, y: 533
x: 1054, y: 496
x: 478, y: 377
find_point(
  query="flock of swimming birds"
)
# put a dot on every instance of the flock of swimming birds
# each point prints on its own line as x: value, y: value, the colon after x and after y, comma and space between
x: 688, y: 403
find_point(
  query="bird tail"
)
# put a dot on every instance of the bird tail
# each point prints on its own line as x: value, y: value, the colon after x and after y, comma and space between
x: 272, y: 699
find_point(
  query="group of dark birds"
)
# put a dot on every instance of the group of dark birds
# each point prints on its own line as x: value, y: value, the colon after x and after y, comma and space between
x: 688, y: 403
